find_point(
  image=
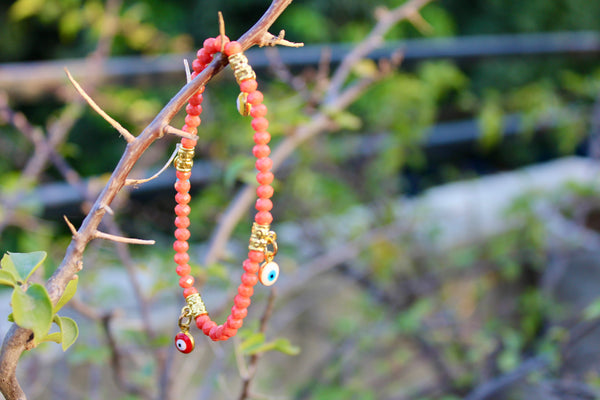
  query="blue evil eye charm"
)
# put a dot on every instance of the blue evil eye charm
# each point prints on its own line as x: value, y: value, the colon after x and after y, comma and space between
x: 184, y: 342
x: 268, y: 273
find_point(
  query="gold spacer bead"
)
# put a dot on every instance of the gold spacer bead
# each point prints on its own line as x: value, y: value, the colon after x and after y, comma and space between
x: 196, y: 305
x: 259, y: 237
x: 241, y: 69
x: 184, y: 160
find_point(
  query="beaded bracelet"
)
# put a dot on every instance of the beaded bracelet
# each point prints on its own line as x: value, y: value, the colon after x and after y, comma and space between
x: 262, y: 245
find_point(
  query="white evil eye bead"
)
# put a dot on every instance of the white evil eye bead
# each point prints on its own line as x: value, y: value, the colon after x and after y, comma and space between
x: 184, y: 342
x: 268, y: 273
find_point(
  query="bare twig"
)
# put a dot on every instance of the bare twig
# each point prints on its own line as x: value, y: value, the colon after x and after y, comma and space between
x: 254, y: 358
x: 271, y: 40
x: 156, y: 175
x: 70, y: 225
x: 124, y: 132
x: 120, y: 239
x: 178, y: 132
x: 386, y: 20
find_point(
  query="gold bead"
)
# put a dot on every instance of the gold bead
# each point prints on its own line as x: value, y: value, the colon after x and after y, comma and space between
x: 184, y: 160
x: 241, y: 69
x: 196, y: 305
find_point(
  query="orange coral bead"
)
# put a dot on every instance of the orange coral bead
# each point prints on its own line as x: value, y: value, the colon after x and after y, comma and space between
x: 204, y: 56
x: 193, y: 110
x: 256, y: 256
x: 208, y: 326
x: 182, y: 222
x: 229, y: 332
x: 259, y: 110
x: 255, y: 98
x: 262, y: 164
x: 264, y: 191
x: 233, y: 48
x: 182, y: 234
x: 189, y: 291
x: 250, y: 267
x: 183, y: 176
x: 262, y: 137
x: 263, y: 218
x: 241, y: 301
x: 248, y: 86
x: 181, y: 258
x: 183, y: 270
x: 261, y: 150
x: 265, y: 178
x: 189, y: 143
x: 217, y: 43
x: 259, y: 124
x: 264, y: 205
x: 201, y: 320
x: 246, y: 291
x: 181, y: 246
x: 192, y: 120
x: 186, y: 281
x: 196, y: 99
x: 182, y: 186
x: 250, y: 279
x: 209, y: 45
x: 183, y: 210
x: 234, y: 323
x: 183, y: 198
x: 239, y: 313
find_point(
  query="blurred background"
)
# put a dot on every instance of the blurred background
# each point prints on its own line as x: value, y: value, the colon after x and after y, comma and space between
x: 438, y: 235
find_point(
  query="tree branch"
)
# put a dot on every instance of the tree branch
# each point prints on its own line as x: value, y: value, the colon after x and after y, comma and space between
x: 16, y: 340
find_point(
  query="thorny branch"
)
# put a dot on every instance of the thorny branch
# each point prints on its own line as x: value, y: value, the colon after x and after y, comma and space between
x: 17, y: 339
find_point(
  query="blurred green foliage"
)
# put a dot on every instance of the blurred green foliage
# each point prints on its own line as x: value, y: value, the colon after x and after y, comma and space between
x: 373, y: 155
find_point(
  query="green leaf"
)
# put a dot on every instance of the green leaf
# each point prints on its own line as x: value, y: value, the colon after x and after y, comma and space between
x: 253, y: 341
x: 68, y: 329
x: 255, y: 344
x: 491, y: 123
x: 68, y: 294
x: 55, y: 337
x: 26, y: 8
x: 32, y: 309
x: 284, y: 346
x: 22, y: 265
x: 7, y: 278
x: 592, y: 311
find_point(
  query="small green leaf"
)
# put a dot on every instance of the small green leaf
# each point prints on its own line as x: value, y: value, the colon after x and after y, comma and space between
x: 22, y: 265
x: 55, y: 337
x: 592, y: 311
x: 32, y: 309
x: 68, y: 329
x: 283, y: 345
x: 255, y: 340
x: 11, y: 317
x: 68, y: 294
x: 255, y: 344
x: 8, y: 279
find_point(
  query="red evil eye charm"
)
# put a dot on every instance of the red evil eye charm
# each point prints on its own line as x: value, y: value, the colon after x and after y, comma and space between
x: 184, y: 342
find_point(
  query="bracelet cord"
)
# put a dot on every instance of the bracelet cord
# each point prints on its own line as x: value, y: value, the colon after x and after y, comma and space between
x: 249, y: 103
